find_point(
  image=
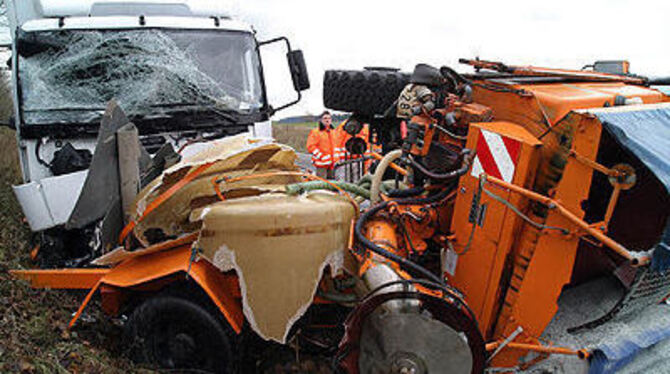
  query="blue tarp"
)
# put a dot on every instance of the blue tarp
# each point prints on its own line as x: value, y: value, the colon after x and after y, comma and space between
x: 646, y: 330
x: 645, y: 131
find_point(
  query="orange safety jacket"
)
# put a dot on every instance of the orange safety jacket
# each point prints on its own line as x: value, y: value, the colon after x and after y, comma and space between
x: 321, y: 144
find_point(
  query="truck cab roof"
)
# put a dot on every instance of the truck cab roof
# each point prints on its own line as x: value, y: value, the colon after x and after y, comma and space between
x: 33, y: 15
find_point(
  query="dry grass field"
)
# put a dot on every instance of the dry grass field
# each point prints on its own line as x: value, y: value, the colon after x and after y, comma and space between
x: 293, y: 134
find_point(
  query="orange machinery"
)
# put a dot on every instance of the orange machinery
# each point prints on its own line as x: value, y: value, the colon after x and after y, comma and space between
x: 529, y: 203
x: 512, y: 192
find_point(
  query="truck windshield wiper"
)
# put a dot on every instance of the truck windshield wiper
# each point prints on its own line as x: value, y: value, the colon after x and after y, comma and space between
x: 72, y: 109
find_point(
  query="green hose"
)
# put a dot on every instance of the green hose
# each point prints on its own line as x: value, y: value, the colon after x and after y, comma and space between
x: 298, y: 188
x: 366, y: 179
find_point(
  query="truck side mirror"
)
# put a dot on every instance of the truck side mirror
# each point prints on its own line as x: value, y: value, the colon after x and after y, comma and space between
x: 297, y: 69
x: 296, y: 62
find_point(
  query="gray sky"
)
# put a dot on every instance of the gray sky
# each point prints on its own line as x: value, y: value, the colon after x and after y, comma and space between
x: 348, y: 34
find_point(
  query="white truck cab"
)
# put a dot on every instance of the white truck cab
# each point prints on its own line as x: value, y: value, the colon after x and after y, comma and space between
x: 179, y: 69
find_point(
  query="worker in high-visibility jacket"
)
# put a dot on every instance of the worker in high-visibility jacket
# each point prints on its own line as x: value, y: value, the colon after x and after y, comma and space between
x: 321, y: 144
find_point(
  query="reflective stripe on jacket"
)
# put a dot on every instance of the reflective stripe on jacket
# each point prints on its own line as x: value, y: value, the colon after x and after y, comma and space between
x: 321, y: 144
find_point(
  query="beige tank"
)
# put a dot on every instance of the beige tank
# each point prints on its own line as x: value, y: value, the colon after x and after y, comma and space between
x: 279, y: 246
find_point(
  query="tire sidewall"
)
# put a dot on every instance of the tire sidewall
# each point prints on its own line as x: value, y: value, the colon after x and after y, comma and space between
x: 153, y: 326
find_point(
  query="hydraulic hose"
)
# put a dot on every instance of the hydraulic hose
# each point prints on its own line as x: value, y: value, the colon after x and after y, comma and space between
x: 465, y: 166
x: 407, y: 192
x: 375, y: 188
x: 298, y: 188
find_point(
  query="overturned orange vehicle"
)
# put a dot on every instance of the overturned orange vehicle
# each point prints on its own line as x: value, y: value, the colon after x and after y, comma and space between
x: 521, y: 216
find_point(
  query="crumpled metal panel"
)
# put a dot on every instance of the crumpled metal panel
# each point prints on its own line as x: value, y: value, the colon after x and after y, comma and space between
x: 101, y: 189
x: 231, y: 157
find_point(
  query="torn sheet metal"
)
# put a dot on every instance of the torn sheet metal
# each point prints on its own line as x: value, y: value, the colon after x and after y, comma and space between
x: 101, y: 189
x: 232, y: 157
x: 120, y: 254
x: 279, y: 246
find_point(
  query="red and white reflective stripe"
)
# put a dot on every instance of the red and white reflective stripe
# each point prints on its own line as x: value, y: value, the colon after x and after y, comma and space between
x: 322, y: 163
x: 497, y: 156
x: 340, y: 153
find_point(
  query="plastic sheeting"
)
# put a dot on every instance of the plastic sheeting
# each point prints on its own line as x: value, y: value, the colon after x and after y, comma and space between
x: 70, y: 76
x: 618, y: 352
x: 645, y: 131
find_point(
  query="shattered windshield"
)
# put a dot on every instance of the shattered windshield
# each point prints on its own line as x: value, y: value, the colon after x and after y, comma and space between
x: 68, y: 76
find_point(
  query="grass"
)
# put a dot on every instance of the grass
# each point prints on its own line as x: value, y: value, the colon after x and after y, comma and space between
x: 293, y: 134
x: 33, y: 322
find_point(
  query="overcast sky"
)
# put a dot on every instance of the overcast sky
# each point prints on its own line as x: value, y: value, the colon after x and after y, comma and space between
x: 351, y: 34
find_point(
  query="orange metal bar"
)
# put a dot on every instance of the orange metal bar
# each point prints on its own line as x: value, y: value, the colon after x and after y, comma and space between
x: 552, y: 204
x: 582, y: 353
x: 594, y: 165
x: 83, y: 304
x: 550, y: 72
x: 395, y: 167
x: 74, y: 279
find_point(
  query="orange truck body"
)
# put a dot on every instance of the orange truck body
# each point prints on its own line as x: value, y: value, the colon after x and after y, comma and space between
x: 537, y: 264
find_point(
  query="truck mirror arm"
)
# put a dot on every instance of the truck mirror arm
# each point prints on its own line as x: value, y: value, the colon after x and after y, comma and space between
x: 297, y: 67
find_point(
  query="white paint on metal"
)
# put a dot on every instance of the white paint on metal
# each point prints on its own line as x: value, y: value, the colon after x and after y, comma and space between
x: 129, y: 22
x: 477, y: 168
x: 49, y: 202
x: 21, y: 11
x: 500, y: 154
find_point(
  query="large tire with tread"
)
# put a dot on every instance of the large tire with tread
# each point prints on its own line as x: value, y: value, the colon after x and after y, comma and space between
x: 175, y: 333
x: 366, y: 92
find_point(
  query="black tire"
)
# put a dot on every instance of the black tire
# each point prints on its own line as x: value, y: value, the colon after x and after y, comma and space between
x: 365, y: 92
x: 172, y: 332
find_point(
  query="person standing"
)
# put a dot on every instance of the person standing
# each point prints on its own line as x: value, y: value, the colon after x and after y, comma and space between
x: 321, y: 144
